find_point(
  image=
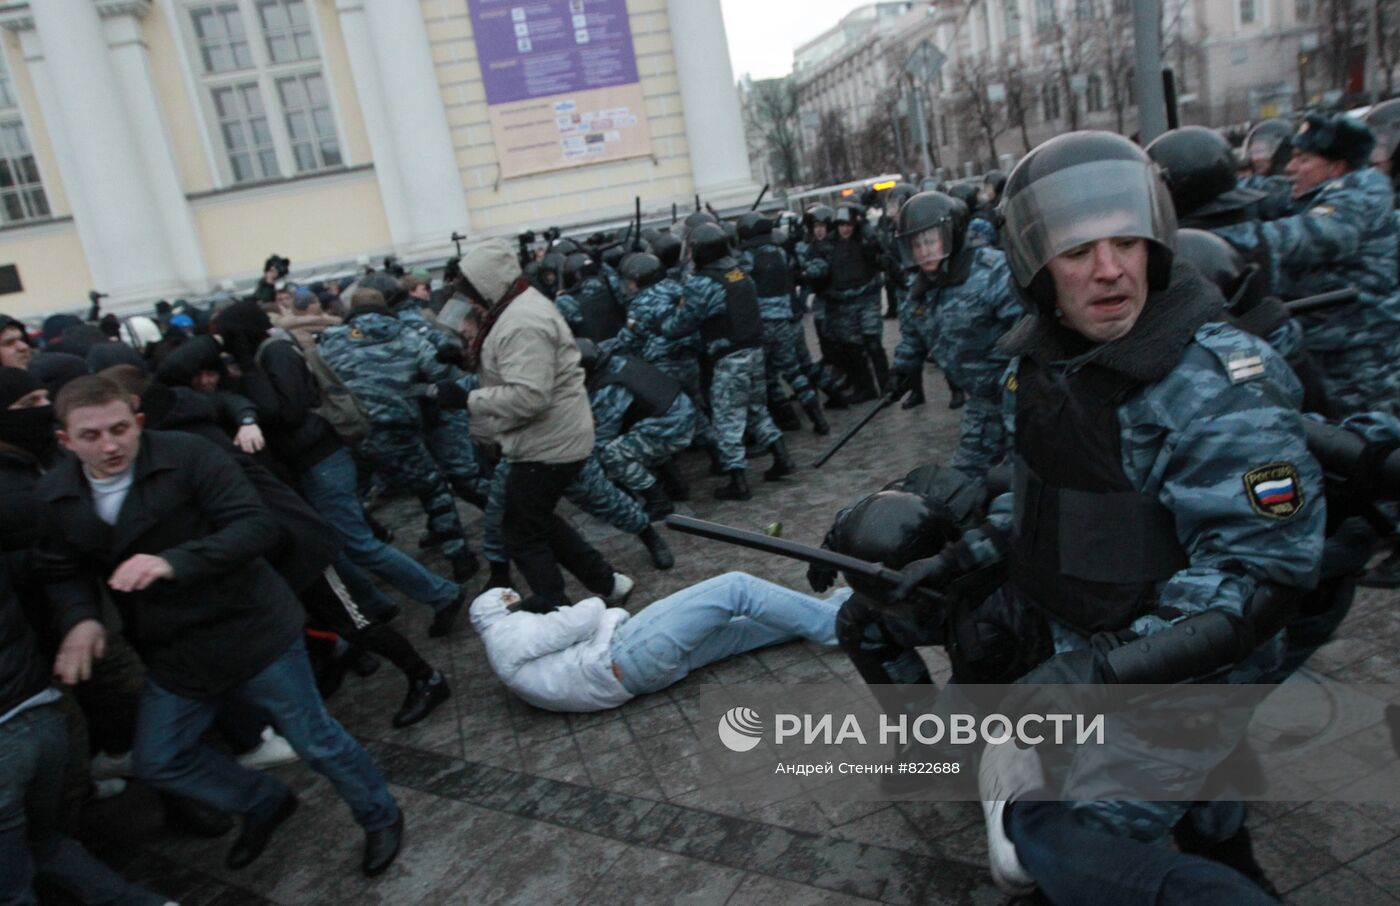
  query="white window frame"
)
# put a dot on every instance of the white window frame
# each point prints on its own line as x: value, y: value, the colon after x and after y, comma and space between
x: 265, y: 73
x: 16, y: 114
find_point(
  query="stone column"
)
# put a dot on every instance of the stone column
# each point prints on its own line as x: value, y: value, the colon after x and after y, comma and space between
x: 714, y: 124
x: 409, y: 136
x: 123, y: 208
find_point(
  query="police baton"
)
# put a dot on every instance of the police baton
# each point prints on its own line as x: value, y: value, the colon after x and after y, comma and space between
x: 851, y: 432
x: 1347, y: 457
x: 759, y: 200
x: 793, y: 550
x: 1322, y: 301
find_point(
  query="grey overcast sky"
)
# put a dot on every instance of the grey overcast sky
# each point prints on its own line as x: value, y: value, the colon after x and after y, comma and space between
x: 762, y: 33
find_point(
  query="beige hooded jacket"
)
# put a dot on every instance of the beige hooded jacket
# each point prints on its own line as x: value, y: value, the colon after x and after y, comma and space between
x: 532, y: 399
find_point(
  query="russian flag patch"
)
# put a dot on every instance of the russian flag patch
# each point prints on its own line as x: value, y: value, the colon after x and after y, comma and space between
x: 1274, y: 490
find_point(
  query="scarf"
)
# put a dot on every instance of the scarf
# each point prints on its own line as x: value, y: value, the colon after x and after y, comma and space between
x: 492, y: 316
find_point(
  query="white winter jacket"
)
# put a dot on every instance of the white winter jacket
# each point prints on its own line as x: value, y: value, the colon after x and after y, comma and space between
x: 559, y: 661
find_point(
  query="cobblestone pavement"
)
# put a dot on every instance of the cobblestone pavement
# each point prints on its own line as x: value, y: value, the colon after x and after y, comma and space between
x: 507, y: 804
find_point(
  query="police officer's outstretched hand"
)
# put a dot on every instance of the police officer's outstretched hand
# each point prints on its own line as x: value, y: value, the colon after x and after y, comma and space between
x: 933, y: 573
x: 820, y: 577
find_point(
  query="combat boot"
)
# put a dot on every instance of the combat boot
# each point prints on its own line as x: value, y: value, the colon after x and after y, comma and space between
x: 737, y: 489
x: 656, y: 503
x: 661, y: 556
x: 784, y: 416
x: 673, y: 481
x: 956, y: 398
x: 858, y: 370
x: 814, y: 412
x: 782, y: 462
x: 500, y: 575
x: 916, y: 397
x: 464, y: 567
x: 716, y: 460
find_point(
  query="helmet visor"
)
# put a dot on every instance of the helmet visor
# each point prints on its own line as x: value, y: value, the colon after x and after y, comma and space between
x: 1082, y: 204
x: 925, y: 249
x: 454, y: 313
x: 1262, y: 148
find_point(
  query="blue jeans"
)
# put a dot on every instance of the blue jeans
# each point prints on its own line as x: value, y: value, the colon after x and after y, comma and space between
x: 1078, y: 864
x: 329, y: 486
x: 33, y: 754
x: 168, y: 754
x: 718, y: 618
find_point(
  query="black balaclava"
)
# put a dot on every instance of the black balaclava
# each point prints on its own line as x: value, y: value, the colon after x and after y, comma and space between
x: 31, y: 430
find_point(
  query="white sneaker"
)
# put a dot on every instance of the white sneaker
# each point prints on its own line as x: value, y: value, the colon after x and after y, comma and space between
x: 272, y: 751
x: 106, y: 767
x: 622, y: 587
x: 1006, y: 774
x: 109, y: 788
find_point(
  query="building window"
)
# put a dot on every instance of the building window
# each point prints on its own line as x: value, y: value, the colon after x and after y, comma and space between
x: 1093, y: 94
x: 1011, y: 18
x: 1247, y: 12
x: 259, y: 66
x: 21, y: 191
x: 1050, y: 101
x: 1044, y: 13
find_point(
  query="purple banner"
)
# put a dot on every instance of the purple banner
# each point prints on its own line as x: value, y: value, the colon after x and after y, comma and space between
x: 538, y: 48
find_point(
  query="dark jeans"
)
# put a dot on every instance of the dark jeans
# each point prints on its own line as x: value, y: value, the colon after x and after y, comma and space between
x: 535, y: 536
x: 33, y: 753
x: 169, y: 756
x: 1078, y: 864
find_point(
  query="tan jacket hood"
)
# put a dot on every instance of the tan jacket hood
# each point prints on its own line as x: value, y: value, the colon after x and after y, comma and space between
x: 492, y: 267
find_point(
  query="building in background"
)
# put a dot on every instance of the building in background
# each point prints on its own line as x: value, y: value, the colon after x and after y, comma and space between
x: 162, y: 149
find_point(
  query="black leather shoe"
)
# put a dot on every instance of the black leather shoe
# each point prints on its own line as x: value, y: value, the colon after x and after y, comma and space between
x: 782, y: 462
x: 737, y: 489
x: 423, y: 697
x: 382, y: 848
x: 186, y: 816
x: 445, y: 619
x: 464, y: 567
x: 365, y: 663
x: 257, y: 832
x: 661, y: 556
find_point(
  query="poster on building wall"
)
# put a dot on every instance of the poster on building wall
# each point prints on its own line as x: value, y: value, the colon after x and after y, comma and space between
x: 561, y: 83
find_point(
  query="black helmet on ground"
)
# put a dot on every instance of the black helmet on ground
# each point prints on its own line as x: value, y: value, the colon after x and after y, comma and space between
x: 755, y: 226
x: 1269, y: 145
x: 1199, y: 167
x: 1080, y: 188
x: 668, y: 249
x: 931, y: 227
x: 708, y: 243
x: 893, y: 528
x: 644, y: 270
x: 577, y: 267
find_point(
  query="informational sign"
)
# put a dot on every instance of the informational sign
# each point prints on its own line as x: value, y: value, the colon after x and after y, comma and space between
x: 561, y: 83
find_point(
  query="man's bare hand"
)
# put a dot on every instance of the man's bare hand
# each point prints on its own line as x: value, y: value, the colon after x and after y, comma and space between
x: 84, y: 643
x: 250, y: 439
x: 140, y: 572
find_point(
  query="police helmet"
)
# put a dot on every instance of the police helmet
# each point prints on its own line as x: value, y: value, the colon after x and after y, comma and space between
x: 708, y: 243
x: 849, y: 213
x: 566, y: 247
x: 387, y: 285
x: 1217, y: 260
x: 1269, y: 145
x: 731, y: 233
x: 694, y: 220
x: 644, y: 270
x: 965, y: 192
x: 1080, y: 188
x: 893, y: 528
x: 553, y: 263
x: 1199, y: 167
x: 577, y: 267
x: 754, y: 225
x: 1384, y: 120
x: 650, y: 235
x: 996, y: 181
x: 819, y: 213
x: 931, y: 227
x: 896, y: 196
x: 668, y: 249
x: 612, y: 256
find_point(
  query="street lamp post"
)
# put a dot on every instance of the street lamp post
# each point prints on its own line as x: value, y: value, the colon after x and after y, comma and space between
x: 1152, y: 102
x: 923, y: 64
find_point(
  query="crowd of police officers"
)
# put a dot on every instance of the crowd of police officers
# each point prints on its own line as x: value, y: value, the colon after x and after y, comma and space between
x: 1178, y: 369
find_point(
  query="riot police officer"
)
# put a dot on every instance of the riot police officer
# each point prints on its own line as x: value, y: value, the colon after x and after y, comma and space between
x: 853, y: 302
x: 589, y: 302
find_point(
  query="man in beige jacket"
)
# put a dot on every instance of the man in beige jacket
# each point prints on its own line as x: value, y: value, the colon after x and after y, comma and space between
x: 533, y: 404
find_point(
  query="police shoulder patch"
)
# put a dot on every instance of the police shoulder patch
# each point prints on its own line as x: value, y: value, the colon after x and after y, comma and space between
x: 734, y: 276
x: 1323, y: 210
x: 1274, y: 490
x: 356, y: 333
x: 1011, y: 383
x: 1244, y: 366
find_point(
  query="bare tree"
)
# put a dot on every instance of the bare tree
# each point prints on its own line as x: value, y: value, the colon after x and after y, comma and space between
x: 971, y: 78
x: 873, y: 143
x: 1388, y: 43
x: 771, y: 120
x: 1342, y: 26
x: 833, y: 158
x: 1020, y: 97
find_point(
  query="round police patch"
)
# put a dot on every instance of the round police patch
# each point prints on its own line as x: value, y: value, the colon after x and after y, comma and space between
x: 1274, y: 490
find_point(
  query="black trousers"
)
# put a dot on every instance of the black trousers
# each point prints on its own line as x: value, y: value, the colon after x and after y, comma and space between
x: 539, y: 542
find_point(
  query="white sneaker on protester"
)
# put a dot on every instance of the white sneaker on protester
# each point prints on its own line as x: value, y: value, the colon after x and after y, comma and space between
x: 272, y: 751
x: 622, y: 587
x: 108, y: 767
x: 1006, y: 774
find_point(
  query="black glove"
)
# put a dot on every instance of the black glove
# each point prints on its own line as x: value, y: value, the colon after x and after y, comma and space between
x: 820, y: 577
x: 450, y: 354
x: 449, y: 395
x: 934, y: 572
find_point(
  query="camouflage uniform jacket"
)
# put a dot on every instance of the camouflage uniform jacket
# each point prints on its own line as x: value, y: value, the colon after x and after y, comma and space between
x: 814, y: 264
x: 960, y: 322
x: 770, y: 308
x: 642, y: 334
x: 411, y: 315
x: 702, y: 299
x: 380, y: 358
x: 1344, y: 236
x: 570, y: 304
x: 1228, y: 407
x: 611, y: 402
